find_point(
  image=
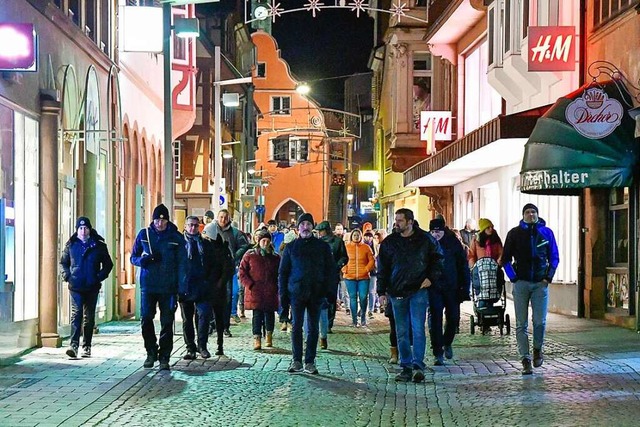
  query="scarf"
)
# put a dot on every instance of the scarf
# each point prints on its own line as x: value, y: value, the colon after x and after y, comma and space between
x: 194, y: 242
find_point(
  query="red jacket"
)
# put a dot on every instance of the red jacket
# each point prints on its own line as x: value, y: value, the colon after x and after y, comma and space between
x: 259, y: 276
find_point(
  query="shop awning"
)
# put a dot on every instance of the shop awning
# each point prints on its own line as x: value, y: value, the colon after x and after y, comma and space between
x: 585, y: 140
x: 499, y: 142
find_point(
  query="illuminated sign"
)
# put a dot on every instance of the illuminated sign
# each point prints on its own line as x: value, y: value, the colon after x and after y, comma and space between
x: 435, y: 126
x: 18, y: 48
x: 552, y: 48
x: 594, y: 115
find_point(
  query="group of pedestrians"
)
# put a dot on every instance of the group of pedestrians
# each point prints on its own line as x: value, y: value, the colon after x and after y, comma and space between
x: 420, y: 277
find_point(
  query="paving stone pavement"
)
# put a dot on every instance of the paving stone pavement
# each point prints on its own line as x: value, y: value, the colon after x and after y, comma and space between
x: 591, y: 377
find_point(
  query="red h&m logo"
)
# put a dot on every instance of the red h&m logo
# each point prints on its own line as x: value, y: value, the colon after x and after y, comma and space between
x: 552, y: 48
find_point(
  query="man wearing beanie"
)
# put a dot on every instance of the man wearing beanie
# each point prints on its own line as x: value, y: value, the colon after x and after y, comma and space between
x: 85, y: 263
x: 530, y: 259
x: 159, y: 251
x: 410, y: 260
x: 306, y: 277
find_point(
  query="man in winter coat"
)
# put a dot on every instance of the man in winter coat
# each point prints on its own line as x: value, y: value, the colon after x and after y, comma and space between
x: 530, y: 259
x: 238, y: 245
x: 306, y: 276
x: 85, y: 263
x: 206, y: 274
x: 159, y: 251
x: 410, y: 260
x: 444, y: 293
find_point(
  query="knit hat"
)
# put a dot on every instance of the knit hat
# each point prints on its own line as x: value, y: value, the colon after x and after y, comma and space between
x: 289, y: 237
x: 263, y: 234
x: 305, y: 217
x: 483, y: 224
x: 83, y: 220
x: 208, y: 214
x: 529, y: 206
x: 272, y: 222
x: 436, y: 224
x: 161, y: 212
x: 324, y: 225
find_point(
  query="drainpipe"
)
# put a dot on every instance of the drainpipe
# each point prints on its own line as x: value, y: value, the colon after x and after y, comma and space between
x: 581, y: 208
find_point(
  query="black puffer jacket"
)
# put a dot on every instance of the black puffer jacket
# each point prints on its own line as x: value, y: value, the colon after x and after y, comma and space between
x: 85, y: 265
x: 404, y: 263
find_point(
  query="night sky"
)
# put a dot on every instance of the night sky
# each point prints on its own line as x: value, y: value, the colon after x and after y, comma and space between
x: 334, y: 43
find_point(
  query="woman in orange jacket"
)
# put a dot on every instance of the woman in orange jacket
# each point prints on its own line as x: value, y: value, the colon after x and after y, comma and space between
x: 356, y: 275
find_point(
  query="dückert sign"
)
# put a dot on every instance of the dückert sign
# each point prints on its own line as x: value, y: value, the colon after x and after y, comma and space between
x: 594, y: 115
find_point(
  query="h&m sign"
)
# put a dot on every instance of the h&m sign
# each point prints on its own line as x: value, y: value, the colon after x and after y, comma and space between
x: 552, y: 48
x: 435, y: 126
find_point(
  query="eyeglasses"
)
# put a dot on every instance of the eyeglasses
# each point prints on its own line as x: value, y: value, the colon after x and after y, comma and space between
x: 192, y: 224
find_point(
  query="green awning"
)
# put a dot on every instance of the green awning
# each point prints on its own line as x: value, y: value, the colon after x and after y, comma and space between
x: 585, y: 140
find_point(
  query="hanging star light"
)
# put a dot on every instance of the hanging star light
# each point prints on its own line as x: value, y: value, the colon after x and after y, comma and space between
x: 399, y: 10
x: 275, y: 10
x: 358, y: 6
x: 314, y: 6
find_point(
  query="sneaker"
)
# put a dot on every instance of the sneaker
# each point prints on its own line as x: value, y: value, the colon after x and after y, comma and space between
x: 405, y: 376
x: 310, y: 368
x: 150, y: 360
x: 526, y: 367
x: 438, y: 361
x: 418, y: 376
x: 295, y: 367
x: 204, y: 353
x: 236, y: 318
x: 164, y: 365
x: 86, y: 351
x: 219, y: 352
x: 283, y: 327
x: 190, y: 355
x: 448, y: 352
x: 227, y: 333
x: 538, y: 358
x: 72, y: 351
x: 323, y: 343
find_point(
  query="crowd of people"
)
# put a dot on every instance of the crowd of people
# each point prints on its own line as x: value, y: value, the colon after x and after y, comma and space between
x: 214, y: 272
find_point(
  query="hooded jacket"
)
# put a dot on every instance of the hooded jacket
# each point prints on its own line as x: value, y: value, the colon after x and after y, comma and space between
x: 361, y: 261
x: 258, y: 274
x: 530, y: 253
x: 85, y: 265
x: 404, y: 263
x: 162, y: 258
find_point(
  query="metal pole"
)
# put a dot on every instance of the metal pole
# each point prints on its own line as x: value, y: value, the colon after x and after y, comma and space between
x: 217, y: 145
x: 169, y: 188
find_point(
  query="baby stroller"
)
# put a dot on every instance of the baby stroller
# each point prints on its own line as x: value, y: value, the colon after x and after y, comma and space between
x: 487, y: 287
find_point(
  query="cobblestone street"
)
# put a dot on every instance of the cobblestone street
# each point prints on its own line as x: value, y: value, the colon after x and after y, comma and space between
x: 591, y: 376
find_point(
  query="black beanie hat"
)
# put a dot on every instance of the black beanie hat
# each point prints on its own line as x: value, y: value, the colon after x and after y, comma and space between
x: 305, y: 217
x: 161, y: 212
x: 436, y: 224
x: 263, y: 234
x: 83, y: 220
x: 529, y: 206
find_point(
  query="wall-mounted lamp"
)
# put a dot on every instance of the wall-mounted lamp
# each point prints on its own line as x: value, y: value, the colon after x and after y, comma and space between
x: 227, y: 153
x: 186, y: 27
x: 349, y: 197
x: 231, y: 99
x: 251, y: 170
x: 303, y: 88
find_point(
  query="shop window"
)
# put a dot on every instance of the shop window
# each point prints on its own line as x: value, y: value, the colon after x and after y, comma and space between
x: 605, y: 10
x: 421, y: 92
x: 619, y: 226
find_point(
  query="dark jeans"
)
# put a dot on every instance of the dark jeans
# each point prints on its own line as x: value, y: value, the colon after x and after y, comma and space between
x: 167, y: 304
x: 83, y: 313
x: 226, y: 321
x: 203, y: 317
x: 219, y: 309
x: 298, y: 309
x: 260, y: 318
x: 440, y: 300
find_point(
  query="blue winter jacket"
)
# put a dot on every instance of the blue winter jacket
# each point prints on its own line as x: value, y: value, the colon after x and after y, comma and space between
x: 530, y: 253
x: 307, y: 271
x: 85, y: 265
x: 164, y: 274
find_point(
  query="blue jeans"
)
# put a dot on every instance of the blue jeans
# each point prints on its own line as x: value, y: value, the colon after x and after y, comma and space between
x: 324, y: 320
x: 538, y: 294
x: 167, y: 304
x: 235, y: 291
x: 83, y: 302
x: 443, y: 300
x: 358, y: 289
x: 373, y: 296
x: 298, y: 309
x: 411, y: 313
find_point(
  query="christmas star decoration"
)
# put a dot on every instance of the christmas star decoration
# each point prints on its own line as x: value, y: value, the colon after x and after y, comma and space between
x: 358, y: 6
x: 398, y: 10
x: 274, y: 10
x: 314, y: 6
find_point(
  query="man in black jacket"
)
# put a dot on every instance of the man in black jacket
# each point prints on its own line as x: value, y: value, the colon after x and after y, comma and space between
x: 207, y: 271
x: 306, y: 276
x: 410, y: 260
x: 85, y: 264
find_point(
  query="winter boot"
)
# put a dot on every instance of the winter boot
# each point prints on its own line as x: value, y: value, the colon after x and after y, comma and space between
x: 269, y: 339
x: 394, y: 356
x: 257, y: 344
